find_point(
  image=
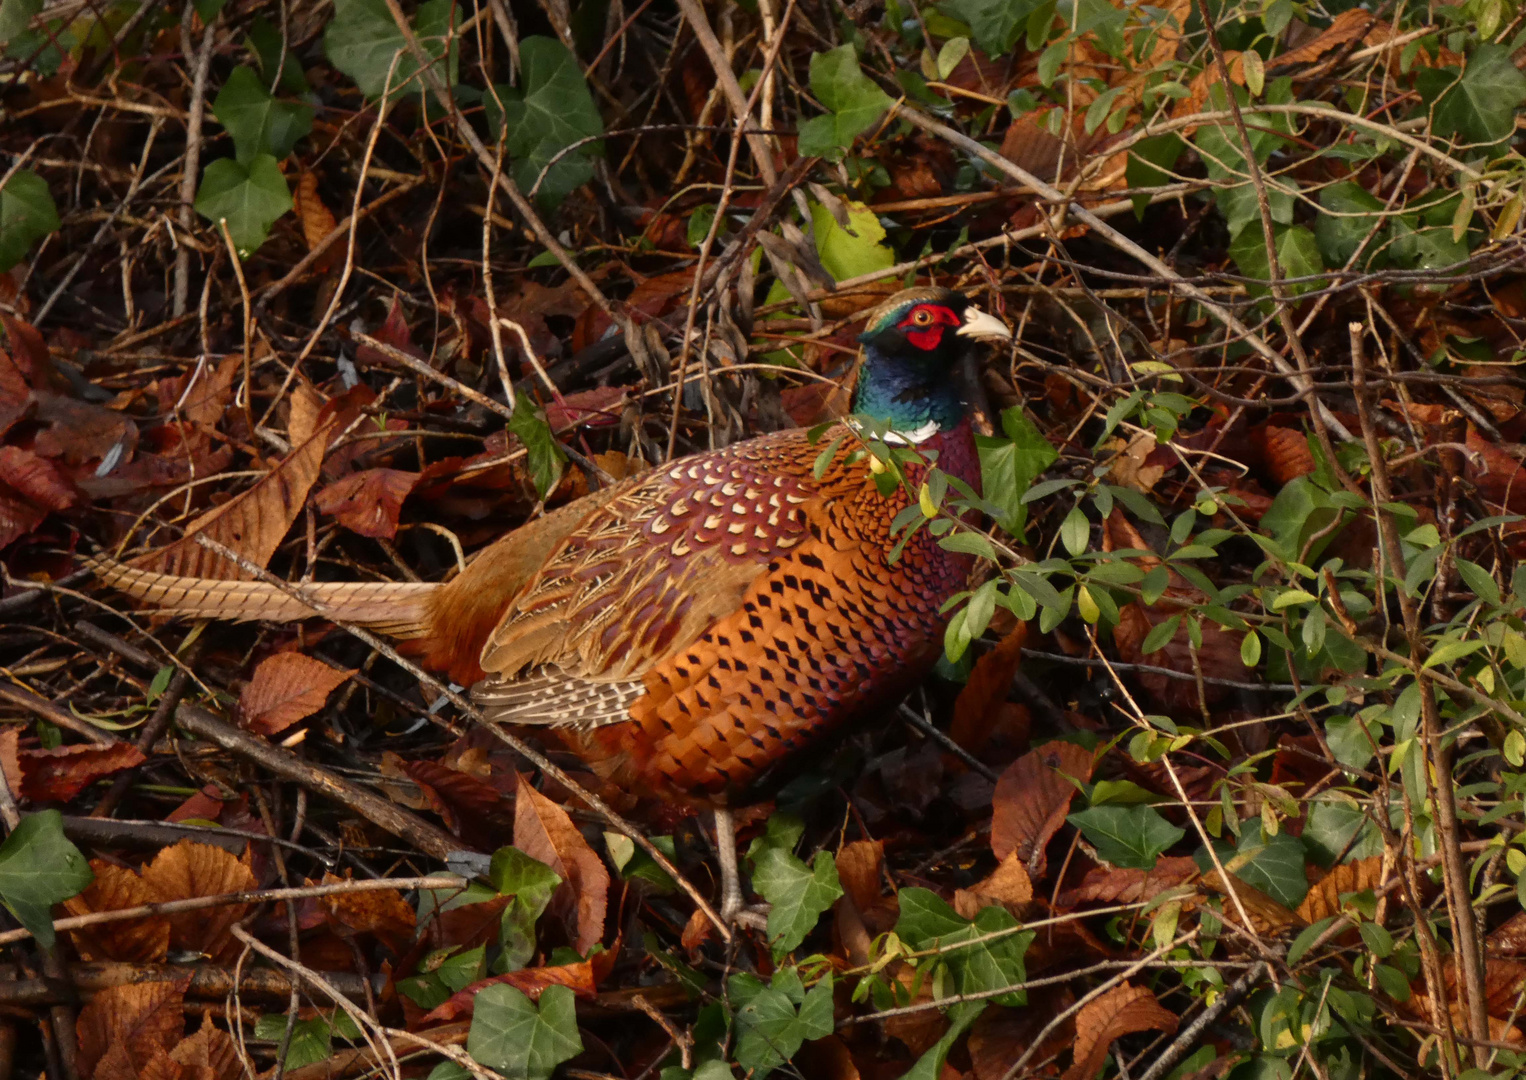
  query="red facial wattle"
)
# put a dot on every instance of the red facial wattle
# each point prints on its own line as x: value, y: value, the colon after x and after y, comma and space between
x: 924, y: 323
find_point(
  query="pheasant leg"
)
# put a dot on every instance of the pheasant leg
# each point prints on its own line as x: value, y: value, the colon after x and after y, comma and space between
x: 731, y: 910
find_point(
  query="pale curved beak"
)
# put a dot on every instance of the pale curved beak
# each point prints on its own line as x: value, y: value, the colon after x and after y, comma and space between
x: 983, y: 326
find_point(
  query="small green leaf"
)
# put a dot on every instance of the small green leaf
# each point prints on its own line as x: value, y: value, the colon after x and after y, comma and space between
x: 27, y: 214
x: 257, y: 122
x: 854, y: 251
x: 1450, y: 651
x: 1480, y: 105
x: 1075, y: 531
x: 855, y: 102
x: 798, y: 893
x: 249, y: 198
x: 550, y: 111
x: 995, y: 24
x: 521, y: 1041
x: 769, y: 1029
x: 15, y: 17
x: 547, y: 458
x: 39, y: 867
x: 364, y: 42
x: 1131, y: 837
x: 1250, y: 649
x: 311, y: 1040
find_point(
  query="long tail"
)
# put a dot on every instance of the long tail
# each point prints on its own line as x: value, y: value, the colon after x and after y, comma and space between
x: 398, y: 609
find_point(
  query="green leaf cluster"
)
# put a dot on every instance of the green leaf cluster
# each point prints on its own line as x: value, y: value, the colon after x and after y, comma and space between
x: 853, y: 101
x: 546, y: 456
x: 775, y: 1018
x: 798, y: 894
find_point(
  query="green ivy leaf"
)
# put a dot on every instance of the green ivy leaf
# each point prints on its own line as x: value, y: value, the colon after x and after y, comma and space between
x: 250, y: 198
x: 854, y: 101
x: 258, y: 122
x: 1272, y: 864
x: 982, y: 955
x: 769, y: 1029
x: 1297, y: 252
x: 798, y: 893
x: 521, y: 1041
x: 1220, y: 148
x: 1479, y: 106
x: 549, y: 111
x: 362, y: 41
x: 1352, y: 211
x: 1009, y: 466
x: 1131, y: 837
x: 1149, y: 162
x: 27, y: 214
x: 858, y: 249
x: 16, y: 16
x: 995, y: 24
x: 547, y: 458
x: 39, y: 867
x: 531, y: 883
x: 311, y: 1040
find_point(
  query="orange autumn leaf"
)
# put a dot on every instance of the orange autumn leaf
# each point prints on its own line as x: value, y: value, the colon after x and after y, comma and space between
x: 142, y: 941
x: 190, y: 870
x: 287, y: 688
x: 382, y: 912
x: 1121, y: 1011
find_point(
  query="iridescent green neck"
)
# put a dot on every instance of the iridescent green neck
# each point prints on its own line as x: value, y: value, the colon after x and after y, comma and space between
x: 910, y: 392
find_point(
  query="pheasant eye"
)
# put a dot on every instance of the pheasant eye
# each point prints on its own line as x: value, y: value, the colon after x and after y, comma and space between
x: 924, y: 317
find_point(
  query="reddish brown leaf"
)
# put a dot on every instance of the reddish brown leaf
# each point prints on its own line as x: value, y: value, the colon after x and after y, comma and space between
x: 286, y: 688
x: 382, y: 912
x: 542, y: 830
x: 59, y: 774
x: 826, y: 1059
x: 368, y: 502
x: 1121, y: 1011
x: 10, y: 759
x: 1002, y: 1035
x: 977, y: 710
x: 1267, y: 916
x: 1113, y: 885
x: 576, y: 977
x: 36, y: 478
x: 254, y: 522
x: 317, y: 220
x: 859, y: 867
x: 1499, y: 475
x: 1347, y: 26
x: 190, y: 870
x: 1032, y: 798
x: 137, y: 1017
x: 393, y: 331
x: 1284, y: 452
x: 141, y: 941
x: 79, y: 431
x: 600, y: 407
x: 17, y: 517
x: 1509, y: 939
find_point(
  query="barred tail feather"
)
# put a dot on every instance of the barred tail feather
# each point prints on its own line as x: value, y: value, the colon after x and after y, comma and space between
x: 399, y: 609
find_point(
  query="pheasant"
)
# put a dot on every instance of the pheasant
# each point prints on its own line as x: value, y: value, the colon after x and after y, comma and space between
x: 688, y: 632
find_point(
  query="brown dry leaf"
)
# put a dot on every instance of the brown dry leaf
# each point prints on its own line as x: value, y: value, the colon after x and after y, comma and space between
x: 542, y: 830
x: 140, y: 1018
x: 977, y: 707
x: 316, y: 219
x: 382, y: 912
x: 80, y: 431
x: 1266, y: 915
x: 1032, y: 798
x: 190, y: 870
x: 1121, y: 1011
x: 204, y: 401
x: 306, y: 407
x: 858, y: 870
x: 17, y: 517
x: 1323, y: 898
x: 1509, y: 939
x: 254, y: 522
x: 59, y: 774
x: 210, y: 1054
x: 286, y: 688
x: 1347, y: 26
x: 826, y: 1059
x: 1498, y: 475
x: 1131, y: 468
x: 368, y: 502
x: 10, y: 759
x: 139, y: 941
x: 1202, y: 84
x: 1009, y: 886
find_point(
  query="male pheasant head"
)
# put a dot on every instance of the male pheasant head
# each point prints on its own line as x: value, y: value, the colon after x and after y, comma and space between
x: 919, y: 351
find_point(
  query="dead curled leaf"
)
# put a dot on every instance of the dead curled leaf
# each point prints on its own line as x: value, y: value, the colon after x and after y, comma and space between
x: 542, y: 830
x: 130, y: 1023
x: 59, y: 774
x: 382, y: 912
